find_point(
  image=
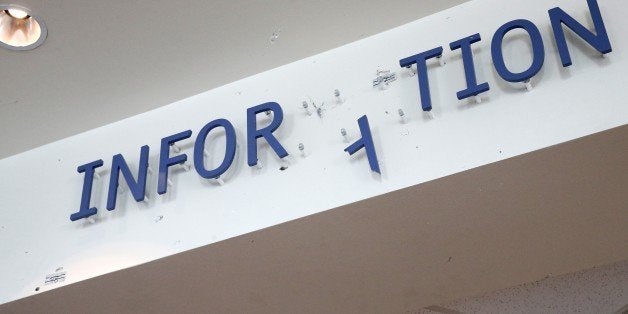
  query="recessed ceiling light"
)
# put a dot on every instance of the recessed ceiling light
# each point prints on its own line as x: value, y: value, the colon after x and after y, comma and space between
x: 20, y: 29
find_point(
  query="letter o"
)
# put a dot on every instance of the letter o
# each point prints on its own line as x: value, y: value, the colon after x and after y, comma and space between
x: 538, y: 51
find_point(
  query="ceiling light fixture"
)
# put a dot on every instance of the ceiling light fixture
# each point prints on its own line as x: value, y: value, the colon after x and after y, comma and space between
x: 20, y: 29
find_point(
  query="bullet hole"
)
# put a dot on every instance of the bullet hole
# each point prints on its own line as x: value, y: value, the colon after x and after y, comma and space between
x: 26, y: 252
x: 500, y: 151
x: 449, y: 260
x: 59, y: 160
x: 386, y: 112
x: 282, y: 168
x: 252, y: 241
x: 37, y: 289
x: 159, y: 218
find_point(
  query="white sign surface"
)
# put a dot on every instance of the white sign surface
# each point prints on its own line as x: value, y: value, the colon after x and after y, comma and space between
x: 41, y: 188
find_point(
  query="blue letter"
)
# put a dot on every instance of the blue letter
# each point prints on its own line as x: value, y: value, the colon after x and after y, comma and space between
x: 365, y: 142
x: 85, y: 211
x: 253, y: 133
x: 600, y: 41
x: 421, y: 68
x: 138, y: 189
x: 199, y: 148
x: 538, y: 51
x: 165, y: 161
x: 473, y: 88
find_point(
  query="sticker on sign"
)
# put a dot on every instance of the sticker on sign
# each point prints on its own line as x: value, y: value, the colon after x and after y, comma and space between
x: 55, y: 278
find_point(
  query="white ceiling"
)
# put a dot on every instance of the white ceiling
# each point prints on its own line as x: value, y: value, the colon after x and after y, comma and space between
x: 104, y: 61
